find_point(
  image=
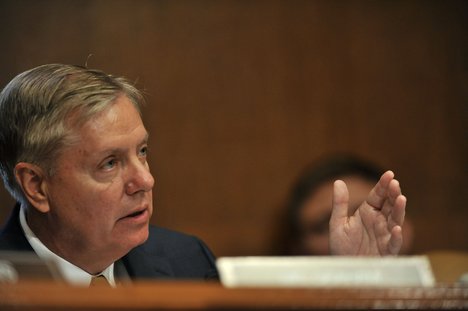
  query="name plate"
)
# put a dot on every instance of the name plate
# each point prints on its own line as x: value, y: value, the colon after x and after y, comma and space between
x: 325, y: 271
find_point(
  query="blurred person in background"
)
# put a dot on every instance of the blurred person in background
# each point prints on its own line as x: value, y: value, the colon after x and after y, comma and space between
x: 304, y: 230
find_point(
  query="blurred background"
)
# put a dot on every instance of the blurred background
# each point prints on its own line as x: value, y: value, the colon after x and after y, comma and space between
x: 242, y: 95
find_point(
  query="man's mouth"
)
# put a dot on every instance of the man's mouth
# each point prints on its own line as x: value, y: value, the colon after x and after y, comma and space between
x: 135, y: 214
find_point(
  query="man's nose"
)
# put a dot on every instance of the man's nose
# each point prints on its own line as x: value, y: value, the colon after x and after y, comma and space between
x: 139, y: 178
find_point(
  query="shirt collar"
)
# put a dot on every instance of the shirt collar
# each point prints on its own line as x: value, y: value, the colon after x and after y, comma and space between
x: 71, y: 273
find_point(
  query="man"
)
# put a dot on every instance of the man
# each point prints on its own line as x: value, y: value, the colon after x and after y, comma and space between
x: 73, y: 153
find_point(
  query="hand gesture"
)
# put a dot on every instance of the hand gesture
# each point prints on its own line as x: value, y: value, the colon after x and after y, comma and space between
x: 375, y: 227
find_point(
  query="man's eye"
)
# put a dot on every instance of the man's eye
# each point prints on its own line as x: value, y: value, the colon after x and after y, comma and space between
x: 144, y: 151
x: 109, y: 164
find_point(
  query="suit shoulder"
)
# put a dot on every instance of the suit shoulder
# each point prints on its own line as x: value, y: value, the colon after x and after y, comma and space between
x: 163, y: 236
x: 170, y: 242
x: 168, y: 253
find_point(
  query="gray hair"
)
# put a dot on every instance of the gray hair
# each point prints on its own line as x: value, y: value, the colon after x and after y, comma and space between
x: 36, y: 109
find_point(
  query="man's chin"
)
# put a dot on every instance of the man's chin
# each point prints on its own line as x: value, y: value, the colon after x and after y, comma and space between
x: 130, y: 242
x: 144, y: 237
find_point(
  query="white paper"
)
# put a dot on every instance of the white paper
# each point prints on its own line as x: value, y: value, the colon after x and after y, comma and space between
x: 326, y: 271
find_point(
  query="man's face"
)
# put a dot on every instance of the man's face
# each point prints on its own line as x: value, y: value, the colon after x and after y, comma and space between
x: 100, y: 195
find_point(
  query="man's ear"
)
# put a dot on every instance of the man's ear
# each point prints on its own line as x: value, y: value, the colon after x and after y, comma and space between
x: 31, y: 178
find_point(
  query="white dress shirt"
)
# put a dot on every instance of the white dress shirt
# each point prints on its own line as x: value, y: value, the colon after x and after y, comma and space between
x: 70, y: 273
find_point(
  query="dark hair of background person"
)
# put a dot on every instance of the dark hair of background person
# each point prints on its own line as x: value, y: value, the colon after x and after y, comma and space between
x: 288, y: 231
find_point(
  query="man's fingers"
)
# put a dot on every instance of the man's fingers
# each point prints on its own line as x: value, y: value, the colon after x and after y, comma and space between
x: 398, y: 212
x: 379, y: 193
x: 394, y: 190
x: 340, y: 202
x: 396, y: 240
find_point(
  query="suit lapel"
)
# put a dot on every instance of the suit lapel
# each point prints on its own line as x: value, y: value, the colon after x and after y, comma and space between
x: 141, y: 264
x: 12, y: 236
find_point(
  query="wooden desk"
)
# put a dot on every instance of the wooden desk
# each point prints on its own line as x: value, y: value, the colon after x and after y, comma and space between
x: 212, y: 296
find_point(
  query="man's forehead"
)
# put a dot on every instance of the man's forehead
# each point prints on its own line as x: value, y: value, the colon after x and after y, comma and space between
x: 117, y: 125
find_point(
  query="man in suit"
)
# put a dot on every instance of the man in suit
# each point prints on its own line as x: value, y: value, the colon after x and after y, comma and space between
x: 73, y: 153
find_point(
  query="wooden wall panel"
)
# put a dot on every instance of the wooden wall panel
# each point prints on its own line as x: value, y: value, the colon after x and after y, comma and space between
x: 243, y: 94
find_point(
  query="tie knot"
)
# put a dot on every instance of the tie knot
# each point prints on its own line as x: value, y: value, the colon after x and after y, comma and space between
x: 99, y: 280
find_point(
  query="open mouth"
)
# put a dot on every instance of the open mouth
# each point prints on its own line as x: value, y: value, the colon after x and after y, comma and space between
x: 135, y: 214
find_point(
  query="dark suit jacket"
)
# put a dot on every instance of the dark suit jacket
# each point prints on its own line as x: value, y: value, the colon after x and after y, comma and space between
x: 166, y: 254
